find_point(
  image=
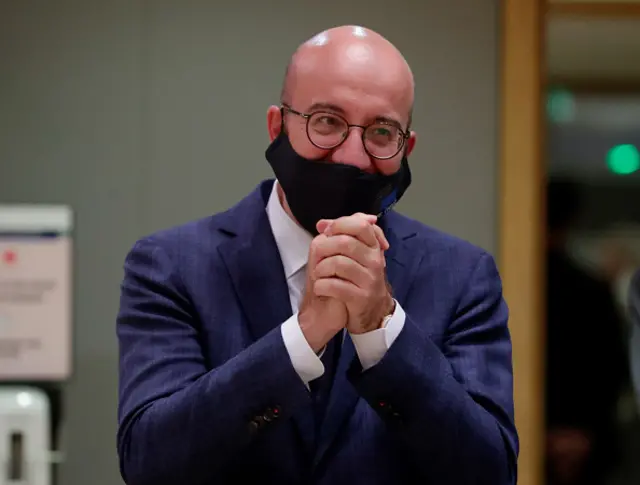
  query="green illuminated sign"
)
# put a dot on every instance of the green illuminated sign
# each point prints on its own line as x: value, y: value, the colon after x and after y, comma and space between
x: 623, y: 159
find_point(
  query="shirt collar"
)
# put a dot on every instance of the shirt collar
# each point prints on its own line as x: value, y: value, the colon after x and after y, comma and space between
x: 292, y: 240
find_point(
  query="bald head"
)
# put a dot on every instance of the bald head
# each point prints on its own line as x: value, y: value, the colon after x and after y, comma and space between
x: 355, y: 76
x: 352, y: 62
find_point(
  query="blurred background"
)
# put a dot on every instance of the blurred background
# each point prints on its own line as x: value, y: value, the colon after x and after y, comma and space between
x: 593, y: 215
x: 142, y: 114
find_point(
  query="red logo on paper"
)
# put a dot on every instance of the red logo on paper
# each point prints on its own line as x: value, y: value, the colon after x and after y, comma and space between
x: 9, y: 257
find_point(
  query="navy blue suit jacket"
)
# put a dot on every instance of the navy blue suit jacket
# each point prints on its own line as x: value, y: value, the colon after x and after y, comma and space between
x: 208, y: 394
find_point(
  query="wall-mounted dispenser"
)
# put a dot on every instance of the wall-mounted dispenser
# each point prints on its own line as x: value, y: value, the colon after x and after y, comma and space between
x: 35, y: 338
x: 25, y: 423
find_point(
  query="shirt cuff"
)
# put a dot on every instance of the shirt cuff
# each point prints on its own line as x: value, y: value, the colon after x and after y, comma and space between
x: 305, y: 361
x: 371, y: 346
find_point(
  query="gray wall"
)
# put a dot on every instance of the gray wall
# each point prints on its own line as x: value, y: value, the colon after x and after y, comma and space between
x: 144, y: 114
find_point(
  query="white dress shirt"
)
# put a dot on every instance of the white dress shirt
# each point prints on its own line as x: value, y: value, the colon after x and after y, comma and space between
x: 293, y: 244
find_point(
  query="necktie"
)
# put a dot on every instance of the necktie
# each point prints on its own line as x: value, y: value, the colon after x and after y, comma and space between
x: 296, y: 284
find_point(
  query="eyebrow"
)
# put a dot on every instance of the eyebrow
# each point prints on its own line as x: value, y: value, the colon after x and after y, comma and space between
x: 328, y: 106
x: 337, y: 109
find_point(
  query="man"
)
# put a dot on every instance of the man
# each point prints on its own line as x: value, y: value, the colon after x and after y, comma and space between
x: 634, y: 350
x: 310, y: 334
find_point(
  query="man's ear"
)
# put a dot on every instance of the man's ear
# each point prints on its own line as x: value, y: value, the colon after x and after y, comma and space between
x: 274, y: 122
x: 411, y: 143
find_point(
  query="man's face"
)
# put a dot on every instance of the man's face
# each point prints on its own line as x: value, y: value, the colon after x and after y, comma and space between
x: 361, y: 86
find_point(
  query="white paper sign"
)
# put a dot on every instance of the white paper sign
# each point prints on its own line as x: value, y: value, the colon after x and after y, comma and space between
x: 35, y: 293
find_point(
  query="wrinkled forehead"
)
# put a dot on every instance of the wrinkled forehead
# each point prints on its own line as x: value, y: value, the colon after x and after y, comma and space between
x: 357, y: 77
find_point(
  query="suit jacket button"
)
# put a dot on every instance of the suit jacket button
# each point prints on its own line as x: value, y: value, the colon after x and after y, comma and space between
x: 388, y: 409
x: 272, y: 414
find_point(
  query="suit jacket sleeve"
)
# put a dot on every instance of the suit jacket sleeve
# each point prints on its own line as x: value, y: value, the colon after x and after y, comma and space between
x: 452, y: 408
x: 180, y: 422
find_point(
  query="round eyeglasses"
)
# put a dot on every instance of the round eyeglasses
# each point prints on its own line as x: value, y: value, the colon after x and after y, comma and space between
x: 326, y: 130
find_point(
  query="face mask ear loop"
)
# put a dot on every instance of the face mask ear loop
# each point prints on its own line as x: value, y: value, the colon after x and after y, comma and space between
x: 283, y: 128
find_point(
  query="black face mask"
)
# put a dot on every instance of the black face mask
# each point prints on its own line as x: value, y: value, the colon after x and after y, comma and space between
x: 318, y: 190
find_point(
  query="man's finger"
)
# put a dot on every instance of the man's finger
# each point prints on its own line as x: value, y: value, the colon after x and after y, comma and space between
x: 337, y: 288
x: 372, y: 219
x: 342, y: 267
x: 356, y: 226
x: 382, y: 239
x: 323, y: 224
x: 348, y: 246
x: 369, y: 217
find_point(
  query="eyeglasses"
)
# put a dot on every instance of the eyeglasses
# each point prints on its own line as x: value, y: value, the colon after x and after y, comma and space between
x: 325, y: 130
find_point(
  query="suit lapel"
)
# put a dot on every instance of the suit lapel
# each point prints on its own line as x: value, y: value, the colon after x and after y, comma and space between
x: 255, y: 268
x: 254, y: 265
x: 401, y: 262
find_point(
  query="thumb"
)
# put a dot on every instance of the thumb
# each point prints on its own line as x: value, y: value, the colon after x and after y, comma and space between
x: 370, y: 218
x: 323, y: 224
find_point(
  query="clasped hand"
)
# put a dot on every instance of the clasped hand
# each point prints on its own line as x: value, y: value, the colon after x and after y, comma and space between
x: 350, y: 267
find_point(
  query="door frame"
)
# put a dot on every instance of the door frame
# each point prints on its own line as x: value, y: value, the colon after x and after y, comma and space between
x: 522, y: 192
x: 521, y: 215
